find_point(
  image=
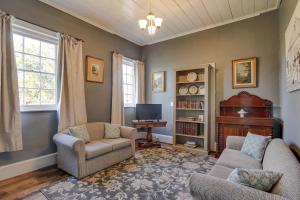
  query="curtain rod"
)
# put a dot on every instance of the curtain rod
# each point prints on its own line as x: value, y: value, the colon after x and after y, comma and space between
x: 134, y: 59
x: 47, y: 28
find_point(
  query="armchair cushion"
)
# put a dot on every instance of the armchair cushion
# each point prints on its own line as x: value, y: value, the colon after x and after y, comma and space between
x: 235, y: 142
x: 118, y: 143
x: 220, y: 171
x: 235, y: 159
x: 97, y: 148
x: 80, y: 132
x: 112, y: 131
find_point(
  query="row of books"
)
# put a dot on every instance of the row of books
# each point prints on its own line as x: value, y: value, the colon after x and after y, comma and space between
x: 191, y: 104
x: 187, y: 128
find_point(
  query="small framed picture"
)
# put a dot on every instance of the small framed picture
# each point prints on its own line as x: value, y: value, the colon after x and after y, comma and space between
x: 201, y: 118
x: 244, y: 73
x: 95, y: 69
x: 158, y: 81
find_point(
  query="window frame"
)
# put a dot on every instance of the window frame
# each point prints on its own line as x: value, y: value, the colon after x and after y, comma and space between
x: 134, y: 95
x: 28, y: 30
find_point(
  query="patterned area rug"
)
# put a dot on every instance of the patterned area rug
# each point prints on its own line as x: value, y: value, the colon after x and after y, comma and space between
x: 154, y: 174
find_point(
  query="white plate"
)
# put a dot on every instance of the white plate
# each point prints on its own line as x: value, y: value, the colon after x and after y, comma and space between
x: 191, y: 77
x: 183, y: 90
x: 193, y: 89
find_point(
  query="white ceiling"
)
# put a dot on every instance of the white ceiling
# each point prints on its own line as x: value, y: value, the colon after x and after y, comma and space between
x: 180, y: 17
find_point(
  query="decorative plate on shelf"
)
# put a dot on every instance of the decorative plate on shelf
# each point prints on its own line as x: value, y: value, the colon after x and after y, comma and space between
x: 193, y: 89
x: 183, y: 90
x: 191, y: 77
x: 201, y: 90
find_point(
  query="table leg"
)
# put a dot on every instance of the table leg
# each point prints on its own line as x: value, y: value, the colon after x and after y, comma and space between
x: 149, y: 134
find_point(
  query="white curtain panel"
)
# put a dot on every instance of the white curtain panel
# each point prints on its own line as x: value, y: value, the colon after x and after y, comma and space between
x: 72, y: 107
x: 117, y: 104
x: 140, y: 81
x: 10, y: 119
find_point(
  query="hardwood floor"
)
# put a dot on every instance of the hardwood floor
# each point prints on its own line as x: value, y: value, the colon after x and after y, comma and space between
x: 29, y: 184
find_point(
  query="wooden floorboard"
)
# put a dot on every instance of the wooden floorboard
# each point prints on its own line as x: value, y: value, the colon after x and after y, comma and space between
x: 27, y: 186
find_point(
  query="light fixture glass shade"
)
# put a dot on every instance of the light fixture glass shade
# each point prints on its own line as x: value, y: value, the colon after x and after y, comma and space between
x: 143, y: 24
x: 158, y: 22
x: 151, y: 30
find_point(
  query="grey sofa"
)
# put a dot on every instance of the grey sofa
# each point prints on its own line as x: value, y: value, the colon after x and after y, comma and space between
x: 278, y: 157
x: 80, y: 159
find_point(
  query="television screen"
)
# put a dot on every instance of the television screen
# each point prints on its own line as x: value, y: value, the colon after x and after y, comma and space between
x: 148, y: 111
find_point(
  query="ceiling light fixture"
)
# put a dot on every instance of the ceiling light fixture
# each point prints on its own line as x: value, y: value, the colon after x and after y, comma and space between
x: 152, y: 23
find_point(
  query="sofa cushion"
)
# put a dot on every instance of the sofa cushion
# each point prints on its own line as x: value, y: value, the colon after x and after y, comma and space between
x: 80, y: 132
x: 112, y: 131
x: 118, y: 143
x: 255, y: 146
x: 255, y: 178
x: 97, y: 148
x: 220, y: 171
x: 96, y: 130
x: 236, y: 159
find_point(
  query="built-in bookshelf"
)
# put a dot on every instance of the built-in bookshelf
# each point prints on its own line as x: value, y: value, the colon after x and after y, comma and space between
x: 192, y: 107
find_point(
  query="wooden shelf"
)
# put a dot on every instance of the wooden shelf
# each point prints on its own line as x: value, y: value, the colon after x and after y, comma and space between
x: 193, y: 136
x: 190, y: 82
x: 196, y: 150
x: 190, y: 109
x: 189, y: 121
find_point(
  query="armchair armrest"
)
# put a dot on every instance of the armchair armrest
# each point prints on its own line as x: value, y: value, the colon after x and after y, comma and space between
x: 203, y: 187
x: 235, y: 142
x: 68, y: 141
x: 129, y: 133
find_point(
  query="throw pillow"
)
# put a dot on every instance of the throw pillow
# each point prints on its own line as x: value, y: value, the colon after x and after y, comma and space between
x: 255, y: 146
x: 112, y: 131
x: 255, y: 178
x: 80, y: 132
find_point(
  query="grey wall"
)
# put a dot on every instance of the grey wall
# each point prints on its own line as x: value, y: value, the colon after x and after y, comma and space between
x: 289, y: 101
x: 257, y: 36
x: 39, y: 127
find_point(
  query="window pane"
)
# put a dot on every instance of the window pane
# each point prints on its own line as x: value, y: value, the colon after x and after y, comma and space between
x: 21, y: 96
x: 20, y: 79
x: 130, y: 70
x: 32, y: 63
x: 47, y: 97
x: 31, y: 46
x: 19, y: 60
x: 48, y: 50
x: 47, y: 65
x: 47, y: 81
x: 129, y: 79
x: 124, y: 79
x: 125, y: 89
x: 32, y: 80
x: 18, y: 42
x: 32, y: 97
x: 130, y: 89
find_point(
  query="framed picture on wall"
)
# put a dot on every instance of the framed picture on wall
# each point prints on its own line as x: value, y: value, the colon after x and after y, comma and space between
x: 95, y: 69
x: 244, y: 73
x: 158, y: 81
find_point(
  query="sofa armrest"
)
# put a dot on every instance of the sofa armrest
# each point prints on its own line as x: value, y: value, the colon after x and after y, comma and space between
x: 68, y: 141
x: 235, y: 142
x: 129, y: 133
x: 203, y: 187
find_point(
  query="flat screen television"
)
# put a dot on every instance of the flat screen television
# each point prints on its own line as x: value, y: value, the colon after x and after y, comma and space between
x: 148, y: 111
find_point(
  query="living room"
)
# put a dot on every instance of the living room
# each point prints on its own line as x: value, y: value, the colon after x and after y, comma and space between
x: 149, y: 99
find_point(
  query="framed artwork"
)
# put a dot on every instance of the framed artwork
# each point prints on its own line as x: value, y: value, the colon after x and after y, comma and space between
x: 95, y: 69
x: 158, y: 81
x: 292, y: 44
x: 244, y: 73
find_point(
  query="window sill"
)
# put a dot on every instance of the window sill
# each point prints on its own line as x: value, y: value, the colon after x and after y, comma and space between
x: 40, y: 108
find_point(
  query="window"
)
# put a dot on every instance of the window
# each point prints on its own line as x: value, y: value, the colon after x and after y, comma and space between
x: 129, y: 86
x: 36, y: 59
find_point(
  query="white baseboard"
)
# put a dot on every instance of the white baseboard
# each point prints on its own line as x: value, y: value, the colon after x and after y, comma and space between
x: 15, y: 169
x: 163, y: 138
